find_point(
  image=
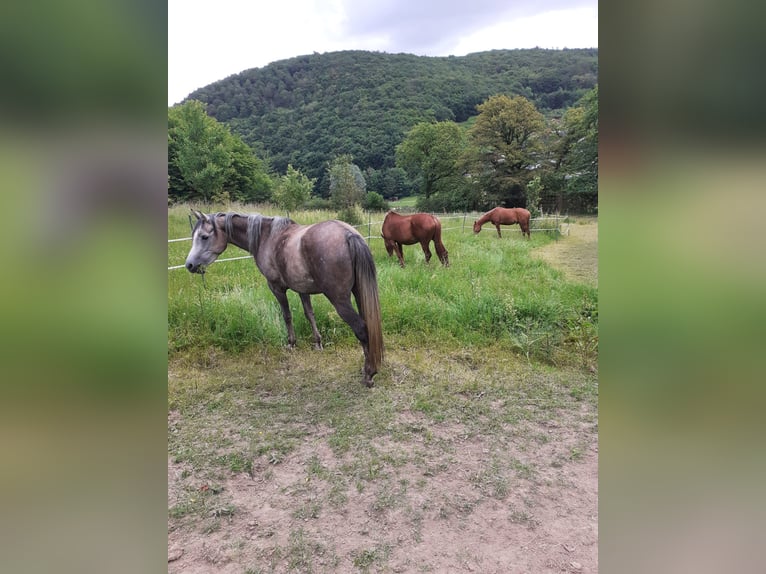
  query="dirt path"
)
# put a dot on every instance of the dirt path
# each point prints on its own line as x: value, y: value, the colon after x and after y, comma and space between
x: 433, y: 472
x: 576, y: 254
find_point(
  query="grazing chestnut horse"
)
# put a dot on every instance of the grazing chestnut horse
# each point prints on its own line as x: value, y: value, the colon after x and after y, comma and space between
x: 420, y: 228
x: 329, y: 257
x: 505, y: 216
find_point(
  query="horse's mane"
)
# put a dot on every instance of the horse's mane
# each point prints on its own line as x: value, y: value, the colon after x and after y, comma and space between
x: 254, y: 226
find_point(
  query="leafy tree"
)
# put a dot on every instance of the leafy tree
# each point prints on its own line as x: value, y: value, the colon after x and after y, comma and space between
x: 430, y: 153
x: 389, y: 182
x: 206, y: 161
x: 579, y: 151
x: 373, y: 201
x: 533, y: 192
x: 293, y: 190
x: 508, y: 146
x: 249, y: 180
x: 347, y: 184
x: 200, y: 150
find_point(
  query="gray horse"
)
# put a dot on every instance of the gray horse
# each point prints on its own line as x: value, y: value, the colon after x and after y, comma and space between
x: 329, y: 257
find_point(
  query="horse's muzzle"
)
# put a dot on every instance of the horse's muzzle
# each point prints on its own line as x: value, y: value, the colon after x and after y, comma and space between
x: 192, y: 268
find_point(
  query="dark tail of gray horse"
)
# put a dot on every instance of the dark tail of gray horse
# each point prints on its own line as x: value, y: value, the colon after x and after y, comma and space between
x: 366, y: 291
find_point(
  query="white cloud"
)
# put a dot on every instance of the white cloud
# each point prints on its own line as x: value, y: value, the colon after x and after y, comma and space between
x: 577, y: 28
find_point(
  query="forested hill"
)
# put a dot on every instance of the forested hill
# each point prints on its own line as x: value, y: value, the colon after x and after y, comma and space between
x: 309, y: 109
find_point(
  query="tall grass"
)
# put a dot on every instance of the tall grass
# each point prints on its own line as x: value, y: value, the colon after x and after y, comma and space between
x: 495, y: 290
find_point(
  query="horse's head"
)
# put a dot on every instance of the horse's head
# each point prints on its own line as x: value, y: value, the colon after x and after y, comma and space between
x: 476, y: 227
x: 208, y: 242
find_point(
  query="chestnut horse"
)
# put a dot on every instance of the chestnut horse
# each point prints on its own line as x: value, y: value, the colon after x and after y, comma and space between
x: 505, y: 216
x: 329, y: 257
x: 420, y: 228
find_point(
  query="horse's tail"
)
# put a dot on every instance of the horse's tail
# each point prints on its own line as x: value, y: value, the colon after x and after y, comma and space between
x: 524, y: 222
x: 441, y: 251
x: 365, y: 278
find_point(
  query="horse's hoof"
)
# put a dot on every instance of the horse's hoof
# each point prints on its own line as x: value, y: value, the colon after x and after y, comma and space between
x: 318, y: 347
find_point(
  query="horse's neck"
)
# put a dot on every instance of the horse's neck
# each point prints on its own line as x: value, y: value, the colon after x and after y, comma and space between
x: 486, y: 217
x: 236, y: 234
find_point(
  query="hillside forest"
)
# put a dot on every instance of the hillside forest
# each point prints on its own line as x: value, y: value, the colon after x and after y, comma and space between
x: 355, y: 129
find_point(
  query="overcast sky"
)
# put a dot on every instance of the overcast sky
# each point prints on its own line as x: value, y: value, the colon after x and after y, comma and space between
x: 208, y: 41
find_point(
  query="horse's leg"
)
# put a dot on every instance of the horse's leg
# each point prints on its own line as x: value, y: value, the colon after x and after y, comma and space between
x: 400, y: 254
x: 498, y: 230
x: 426, y: 250
x: 441, y: 252
x: 281, y: 295
x: 351, y: 317
x: 308, y: 310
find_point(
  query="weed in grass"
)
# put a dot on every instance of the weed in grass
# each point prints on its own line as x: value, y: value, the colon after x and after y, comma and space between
x: 183, y: 509
x: 314, y: 467
x: 225, y: 510
x: 585, y: 340
x: 492, y: 480
x: 387, y: 498
x: 308, y: 510
x: 301, y: 551
x: 212, y: 526
x: 522, y: 470
x: 364, y: 559
x: 236, y: 462
x: 517, y: 516
x: 337, y: 496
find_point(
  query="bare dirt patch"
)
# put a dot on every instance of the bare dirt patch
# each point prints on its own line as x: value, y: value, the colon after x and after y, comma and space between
x: 576, y: 254
x: 278, y: 464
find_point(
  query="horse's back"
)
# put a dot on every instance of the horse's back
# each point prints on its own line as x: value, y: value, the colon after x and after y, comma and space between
x: 511, y: 215
x: 427, y: 225
x: 409, y: 229
x: 522, y: 214
x: 327, y: 240
x: 311, y: 258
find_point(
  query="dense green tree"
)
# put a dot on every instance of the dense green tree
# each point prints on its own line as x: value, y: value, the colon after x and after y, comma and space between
x: 201, y: 157
x: 347, y: 185
x: 292, y: 190
x: 579, y: 155
x: 508, y: 143
x: 430, y: 154
x: 207, y: 162
x: 389, y: 182
x: 249, y: 180
x: 373, y: 201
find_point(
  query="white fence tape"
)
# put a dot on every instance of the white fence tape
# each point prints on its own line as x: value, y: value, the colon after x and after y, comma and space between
x: 371, y: 223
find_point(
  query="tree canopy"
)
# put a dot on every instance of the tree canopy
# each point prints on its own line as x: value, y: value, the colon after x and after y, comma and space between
x: 207, y: 162
x: 505, y: 127
x: 305, y: 111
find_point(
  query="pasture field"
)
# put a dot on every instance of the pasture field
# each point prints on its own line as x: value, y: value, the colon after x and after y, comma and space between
x: 475, y: 451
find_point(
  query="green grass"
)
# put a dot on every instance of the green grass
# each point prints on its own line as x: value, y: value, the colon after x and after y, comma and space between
x: 404, y: 202
x: 494, y: 291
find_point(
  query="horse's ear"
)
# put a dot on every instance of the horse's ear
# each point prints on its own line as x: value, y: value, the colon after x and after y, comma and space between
x: 197, y: 214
